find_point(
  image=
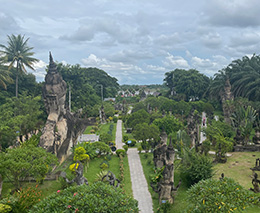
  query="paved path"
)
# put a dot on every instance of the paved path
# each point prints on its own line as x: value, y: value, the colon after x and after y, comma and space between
x: 139, y: 184
x: 119, y: 144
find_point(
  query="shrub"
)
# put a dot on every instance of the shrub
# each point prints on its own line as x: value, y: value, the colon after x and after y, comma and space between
x: 120, y: 152
x: 224, y: 195
x: 80, y: 154
x: 125, y: 147
x: 132, y: 144
x: 5, y: 208
x: 195, y: 167
x: 139, y: 149
x: 98, y: 197
x: 101, y: 148
x: 125, y: 138
x: 22, y: 200
x: 115, y: 119
x: 105, y: 137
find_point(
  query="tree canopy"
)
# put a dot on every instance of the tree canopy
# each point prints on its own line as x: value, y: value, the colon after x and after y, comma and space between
x: 191, y: 83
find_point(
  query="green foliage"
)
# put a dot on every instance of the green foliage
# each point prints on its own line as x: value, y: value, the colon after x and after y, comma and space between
x: 125, y: 147
x: 106, y: 137
x: 146, y: 132
x: 101, y: 148
x: 138, y: 117
x: 17, y: 54
x: 86, y: 87
x: 157, y: 175
x: 80, y: 154
x: 195, y: 167
x: 168, y: 124
x: 125, y: 138
x: 89, y: 147
x: 98, y: 197
x: 191, y: 83
x: 224, y: 195
x: 19, y: 117
x: 115, y: 119
x: 220, y: 143
x: 120, y: 152
x: 243, y: 119
x: 22, y: 200
x: 20, y: 163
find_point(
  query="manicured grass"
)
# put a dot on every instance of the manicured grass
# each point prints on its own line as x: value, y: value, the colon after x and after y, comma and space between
x: 94, y: 169
x: 104, y: 128
x: 87, y: 130
x: 237, y: 167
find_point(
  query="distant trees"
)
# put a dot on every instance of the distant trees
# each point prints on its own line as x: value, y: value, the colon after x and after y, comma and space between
x: 87, y: 84
x: 17, y: 53
x: 190, y: 83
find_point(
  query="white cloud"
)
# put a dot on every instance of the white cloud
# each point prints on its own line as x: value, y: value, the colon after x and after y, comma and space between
x: 173, y: 62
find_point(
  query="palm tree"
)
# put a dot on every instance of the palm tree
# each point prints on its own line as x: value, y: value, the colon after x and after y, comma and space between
x: 4, y: 77
x: 18, y: 54
x: 245, y: 77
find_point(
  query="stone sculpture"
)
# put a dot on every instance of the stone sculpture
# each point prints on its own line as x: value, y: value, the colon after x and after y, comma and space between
x: 62, y: 127
x: 111, y: 178
x: 79, y: 179
x: 164, y: 157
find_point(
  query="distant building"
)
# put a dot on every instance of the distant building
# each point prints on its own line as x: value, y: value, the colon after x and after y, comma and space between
x: 88, y: 138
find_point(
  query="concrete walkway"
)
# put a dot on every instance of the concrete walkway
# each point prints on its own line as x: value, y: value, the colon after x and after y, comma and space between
x: 119, y: 137
x: 139, y: 184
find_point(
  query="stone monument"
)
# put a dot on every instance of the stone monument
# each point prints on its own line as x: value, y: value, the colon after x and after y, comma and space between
x: 164, y: 157
x: 62, y: 127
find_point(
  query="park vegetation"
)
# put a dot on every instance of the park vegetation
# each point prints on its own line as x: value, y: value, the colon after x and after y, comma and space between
x: 230, y: 100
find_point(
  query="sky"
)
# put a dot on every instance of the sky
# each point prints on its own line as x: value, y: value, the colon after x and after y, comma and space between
x: 135, y: 41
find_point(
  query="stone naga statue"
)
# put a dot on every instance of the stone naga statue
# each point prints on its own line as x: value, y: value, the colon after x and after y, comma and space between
x: 62, y: 127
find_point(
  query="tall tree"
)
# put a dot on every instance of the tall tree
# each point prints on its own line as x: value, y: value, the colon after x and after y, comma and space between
x: 17, y: 53
x: 191, y: 83
x: 245, y: 77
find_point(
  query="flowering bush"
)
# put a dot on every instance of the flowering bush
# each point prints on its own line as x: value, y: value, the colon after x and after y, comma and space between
x: 223, y: 195
x: 22, y: 200
x: 98, y: 197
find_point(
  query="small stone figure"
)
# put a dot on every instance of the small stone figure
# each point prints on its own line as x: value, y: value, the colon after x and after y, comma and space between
x: 255, y: 183
x: 111, y: 178
x: 79, y: 179
x: 222, y: 176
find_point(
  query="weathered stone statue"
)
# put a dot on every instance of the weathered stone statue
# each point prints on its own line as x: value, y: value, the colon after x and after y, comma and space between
x: 193, y: 128
x: 255, y: 183
x: 164, y: 157
x: 62, y: 127
x: 79, y: 179
x: 111, y: 178
x: 226, y: 97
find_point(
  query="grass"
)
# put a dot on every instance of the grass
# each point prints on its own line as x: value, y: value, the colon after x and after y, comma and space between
x: 237, y: 167
x: 87, y: 130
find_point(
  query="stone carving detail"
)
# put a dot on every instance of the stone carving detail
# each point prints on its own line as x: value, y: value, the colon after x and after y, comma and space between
x: 62, y: 127
x: 164, y: 157
x: 111, y: 178
x: 193, y: 128
x: 79, y: 179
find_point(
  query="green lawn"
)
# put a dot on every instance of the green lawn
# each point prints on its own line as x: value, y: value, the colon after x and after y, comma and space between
x: 237, y: 167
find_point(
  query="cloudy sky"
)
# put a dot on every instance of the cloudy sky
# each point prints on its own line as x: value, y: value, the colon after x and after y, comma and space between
x: 136, y: 41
